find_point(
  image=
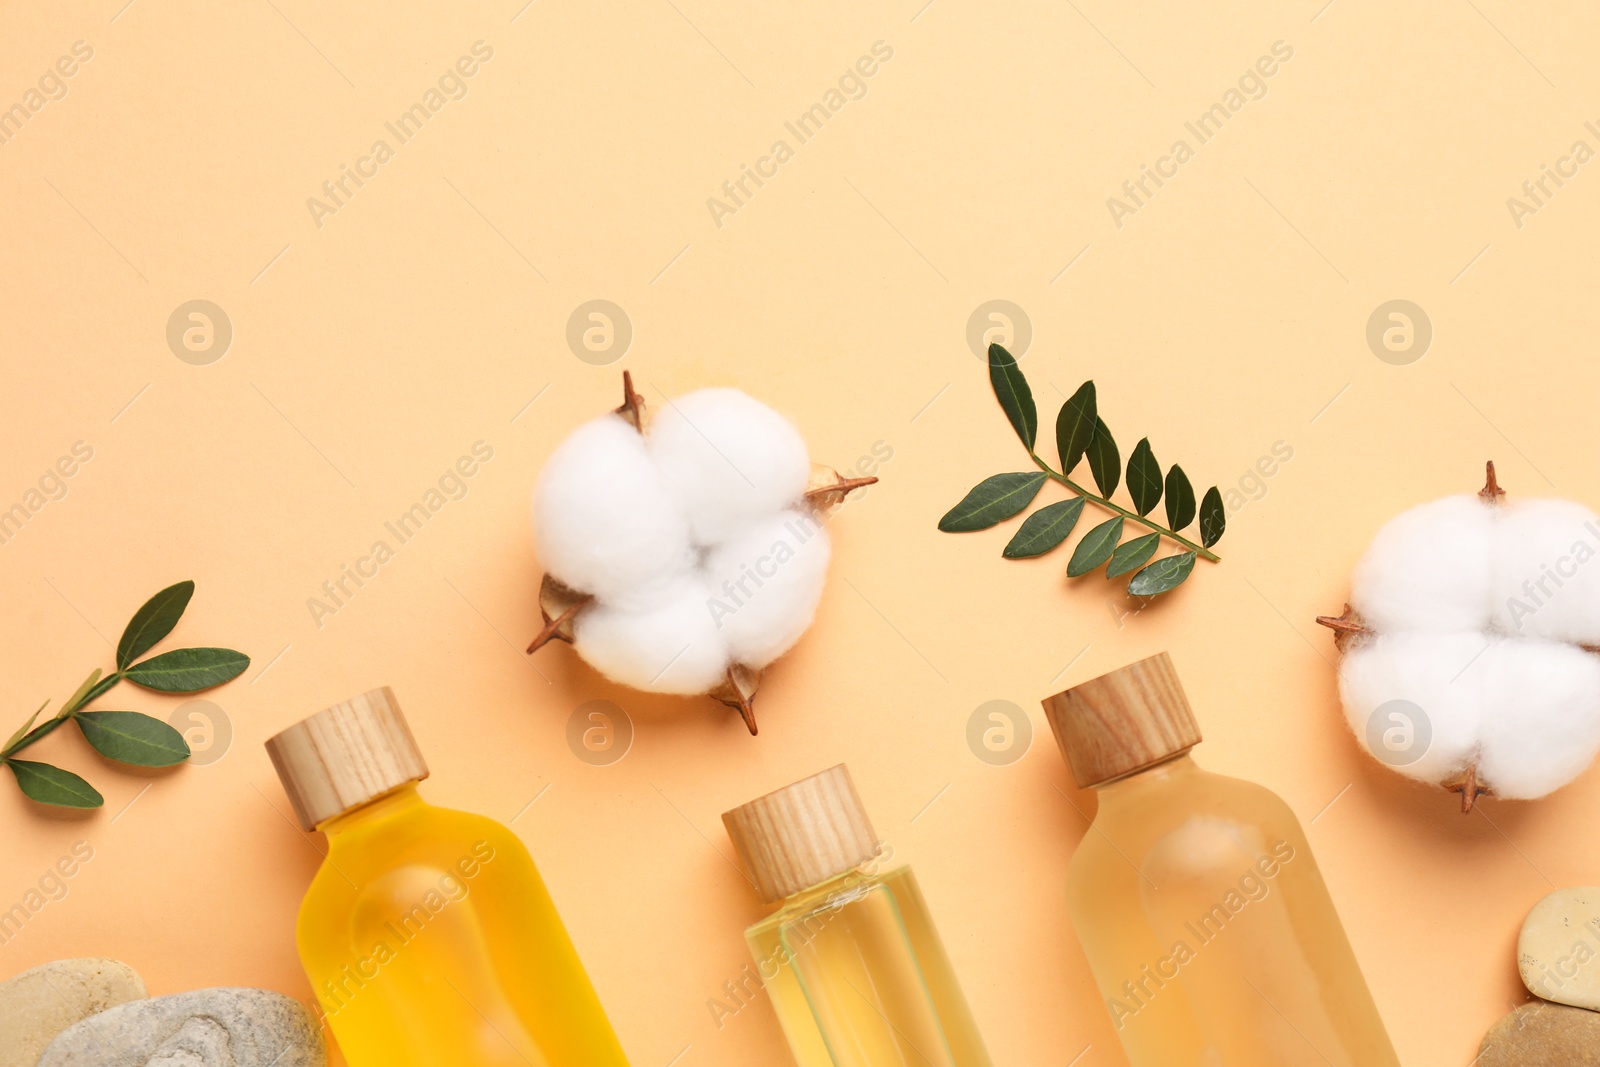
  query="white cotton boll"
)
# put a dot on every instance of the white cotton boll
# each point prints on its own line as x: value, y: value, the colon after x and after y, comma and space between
x: 1541, y: 724
x: 604, y: 519
x: 766, y: 583
x: 1515, y: 583
x: 1546, y: 575
x: 731, y: 459
x: 1441, y: 674
x: 1428, y: 569
x: 673, y: 647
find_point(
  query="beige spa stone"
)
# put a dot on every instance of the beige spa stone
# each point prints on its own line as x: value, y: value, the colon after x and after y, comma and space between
x: 1558, y: 952
x: 37, y: 1005
x: 1542, y: 1035
x: 206, y: 1028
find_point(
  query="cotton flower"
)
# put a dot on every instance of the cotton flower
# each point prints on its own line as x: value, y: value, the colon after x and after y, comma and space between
x: 732, y: 461
x: 766, y: 582
x: 604, y: 518
x: 1470, y: 644
x: 684, y: 552
x: 672, y: 646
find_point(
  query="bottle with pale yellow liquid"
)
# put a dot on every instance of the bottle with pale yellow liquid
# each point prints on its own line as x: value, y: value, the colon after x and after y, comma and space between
x: 850, y: 957
x: 1206, y: 922
x: 428, y: 935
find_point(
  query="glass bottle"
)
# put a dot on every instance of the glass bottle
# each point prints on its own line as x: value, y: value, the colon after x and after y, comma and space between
x: 850, y: 957
x: 1208, y: 927
x: 428, y: 935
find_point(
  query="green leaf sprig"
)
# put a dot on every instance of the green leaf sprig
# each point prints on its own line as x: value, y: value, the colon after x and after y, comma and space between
x: 1082, y: 436
x: 125, y: 736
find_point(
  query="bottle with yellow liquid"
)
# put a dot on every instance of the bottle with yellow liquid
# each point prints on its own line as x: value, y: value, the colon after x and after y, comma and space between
x: 1206, y: 922
x: 428, y: 935
x: 850, y: 956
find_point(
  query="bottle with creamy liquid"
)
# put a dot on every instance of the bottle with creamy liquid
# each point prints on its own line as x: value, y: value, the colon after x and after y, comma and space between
x: 849, y: 955
x: 428, y: 935
x: 1206, y: 922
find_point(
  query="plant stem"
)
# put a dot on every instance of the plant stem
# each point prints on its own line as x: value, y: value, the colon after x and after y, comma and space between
x: 38, y: 733
x: 1199, y: 550
x: 49, y: 726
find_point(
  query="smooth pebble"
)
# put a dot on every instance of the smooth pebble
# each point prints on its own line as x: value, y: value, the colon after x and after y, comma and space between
x: 38, y: 1004
x: 206, y: 1028
x: 1558, y: 951
x: 1542, y: 1035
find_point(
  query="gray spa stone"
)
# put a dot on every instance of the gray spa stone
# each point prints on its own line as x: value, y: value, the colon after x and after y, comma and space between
x: 206, y: 1028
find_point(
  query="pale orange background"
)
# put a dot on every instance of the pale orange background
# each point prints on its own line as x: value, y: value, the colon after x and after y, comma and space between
x: 1226, y: 315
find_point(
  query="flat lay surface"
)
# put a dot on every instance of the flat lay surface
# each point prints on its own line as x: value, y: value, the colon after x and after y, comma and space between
x: 303, y: 299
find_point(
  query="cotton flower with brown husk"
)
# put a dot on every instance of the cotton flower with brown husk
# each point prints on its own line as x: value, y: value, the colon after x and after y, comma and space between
x: 684, y: 550
x: 1469, y: 645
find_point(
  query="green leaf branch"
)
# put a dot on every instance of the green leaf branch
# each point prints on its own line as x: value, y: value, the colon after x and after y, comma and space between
x: 124, y: 736
x: 1082, y: 436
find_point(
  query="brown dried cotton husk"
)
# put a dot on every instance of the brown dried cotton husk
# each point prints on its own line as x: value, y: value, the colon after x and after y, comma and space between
x: 559, y: 604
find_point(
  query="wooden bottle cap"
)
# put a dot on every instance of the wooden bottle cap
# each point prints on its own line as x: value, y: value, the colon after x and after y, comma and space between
x: 803, y: 834
x: 345, y: 756
x: 1122, y: 722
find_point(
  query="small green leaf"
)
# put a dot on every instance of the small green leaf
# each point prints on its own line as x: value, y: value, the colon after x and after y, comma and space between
x: 27, y: 725
x: 1213, y: 517
x: 1180, y: 499
x: 1075, y: 426
x: 1095, y: 548
x: 1104, y: 462
x: 1131, y: 555
x: 52, y: 785
x: 82, y: 690
x: 992, y: 500
x: 1166, y: 573
x: 1045, y: 529
x: 1144, y: 477
x: 152, y: 622
x: 188, y: 670
x: 1011, y: 389
x: 97, y: 690
x: 129, y: 737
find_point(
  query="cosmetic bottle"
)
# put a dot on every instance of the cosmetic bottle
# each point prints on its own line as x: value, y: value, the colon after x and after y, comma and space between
x: 849, y: 955
x: 428, y: 935
x: 1206, y: 922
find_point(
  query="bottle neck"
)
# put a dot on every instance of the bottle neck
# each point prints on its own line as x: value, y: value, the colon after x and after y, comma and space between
x: 844, y: 884
x: 1173, y: 773
x: 392, y: 805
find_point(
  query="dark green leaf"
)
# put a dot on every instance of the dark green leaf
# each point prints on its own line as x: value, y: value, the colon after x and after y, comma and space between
x: 1045, y: 529
x: 1144, y: 477
x: 992, y: 500
x: 188, y: 670
x: 1075, y: 426
x: 1104, y: 462
x: 129, y: 737
x: 152, y: 622
x: 1166, y: 573
x: 1180, y: 499
x: 1011, y: 389
x: 1132, y: 554
x: 1095, y: 548
x: 52, y: 785
x: 1213, y: 518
